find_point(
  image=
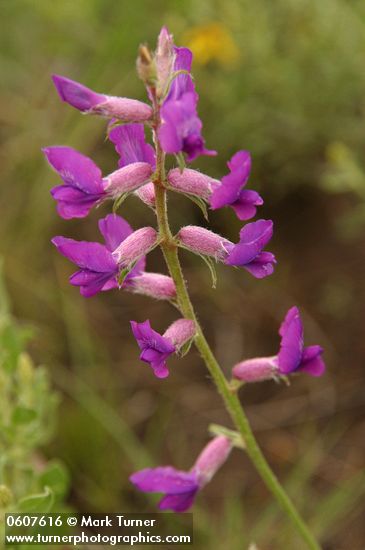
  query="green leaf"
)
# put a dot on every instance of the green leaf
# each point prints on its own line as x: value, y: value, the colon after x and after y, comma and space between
x: 23, y: 415
x: 41, y: 503
x: 199, y: 202
x: 124, y: 272
x: 185, y: 348
x: 234, y: 436
x: 56, y: 477
x: 119, y: 201
x: 212, y: 269
x: 181, y: 161
x: 111, y: 127
x: 11, y: 345
x: 171, y: 79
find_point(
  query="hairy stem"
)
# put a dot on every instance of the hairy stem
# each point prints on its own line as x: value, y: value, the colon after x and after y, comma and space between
x: 230, y: 398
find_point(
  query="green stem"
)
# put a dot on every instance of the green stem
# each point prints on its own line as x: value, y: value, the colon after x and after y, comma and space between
x: 229, y: 396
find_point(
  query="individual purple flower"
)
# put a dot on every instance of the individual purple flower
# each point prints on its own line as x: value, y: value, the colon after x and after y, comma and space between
x: 98, y: 269
x: 83, y: 184
x: 292, y: 356
x: 181, y: 127
x: 248, y: 253
x: 231, y: 192
x: 156, y: 349
x: 87, y: 101
x: 179, y: 487
x: 131, y: 145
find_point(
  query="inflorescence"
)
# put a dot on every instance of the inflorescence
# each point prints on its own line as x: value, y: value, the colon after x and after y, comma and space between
x: 120, y: 263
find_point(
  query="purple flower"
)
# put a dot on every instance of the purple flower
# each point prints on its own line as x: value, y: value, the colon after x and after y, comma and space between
x: 180, y: 487
x: 181, y: 127
x: 231, y: 192
x: 248, y: 253
x: 292, y: 357
x: 98, y: 270
x: 156, y: 349
x: 84, y: 185
x: 82, y: 98
x: 131, y: 146
x: 76, y: 94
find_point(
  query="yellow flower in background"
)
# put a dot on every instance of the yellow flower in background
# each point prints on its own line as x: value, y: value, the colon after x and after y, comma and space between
x: 343, y: 172
x: 212, y: 42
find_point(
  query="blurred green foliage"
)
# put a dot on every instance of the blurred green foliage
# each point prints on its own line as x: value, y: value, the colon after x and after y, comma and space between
x: 28, y: 481
x: 289, y: 87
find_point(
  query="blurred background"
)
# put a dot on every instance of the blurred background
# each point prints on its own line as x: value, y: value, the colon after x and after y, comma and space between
x: 286, y: 81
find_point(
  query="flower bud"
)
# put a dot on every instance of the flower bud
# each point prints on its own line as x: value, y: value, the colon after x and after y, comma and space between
x: 128, y: 178
x: 212, y: 457
x: 154, y: 285
x: 138, y: 244
x: 165, y: 58
x: 193, y: 182
x: 256, y: 370
x: 146, y: 68
x: 180, y: 332
x: 202, y: 241
x: 147, y: 194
